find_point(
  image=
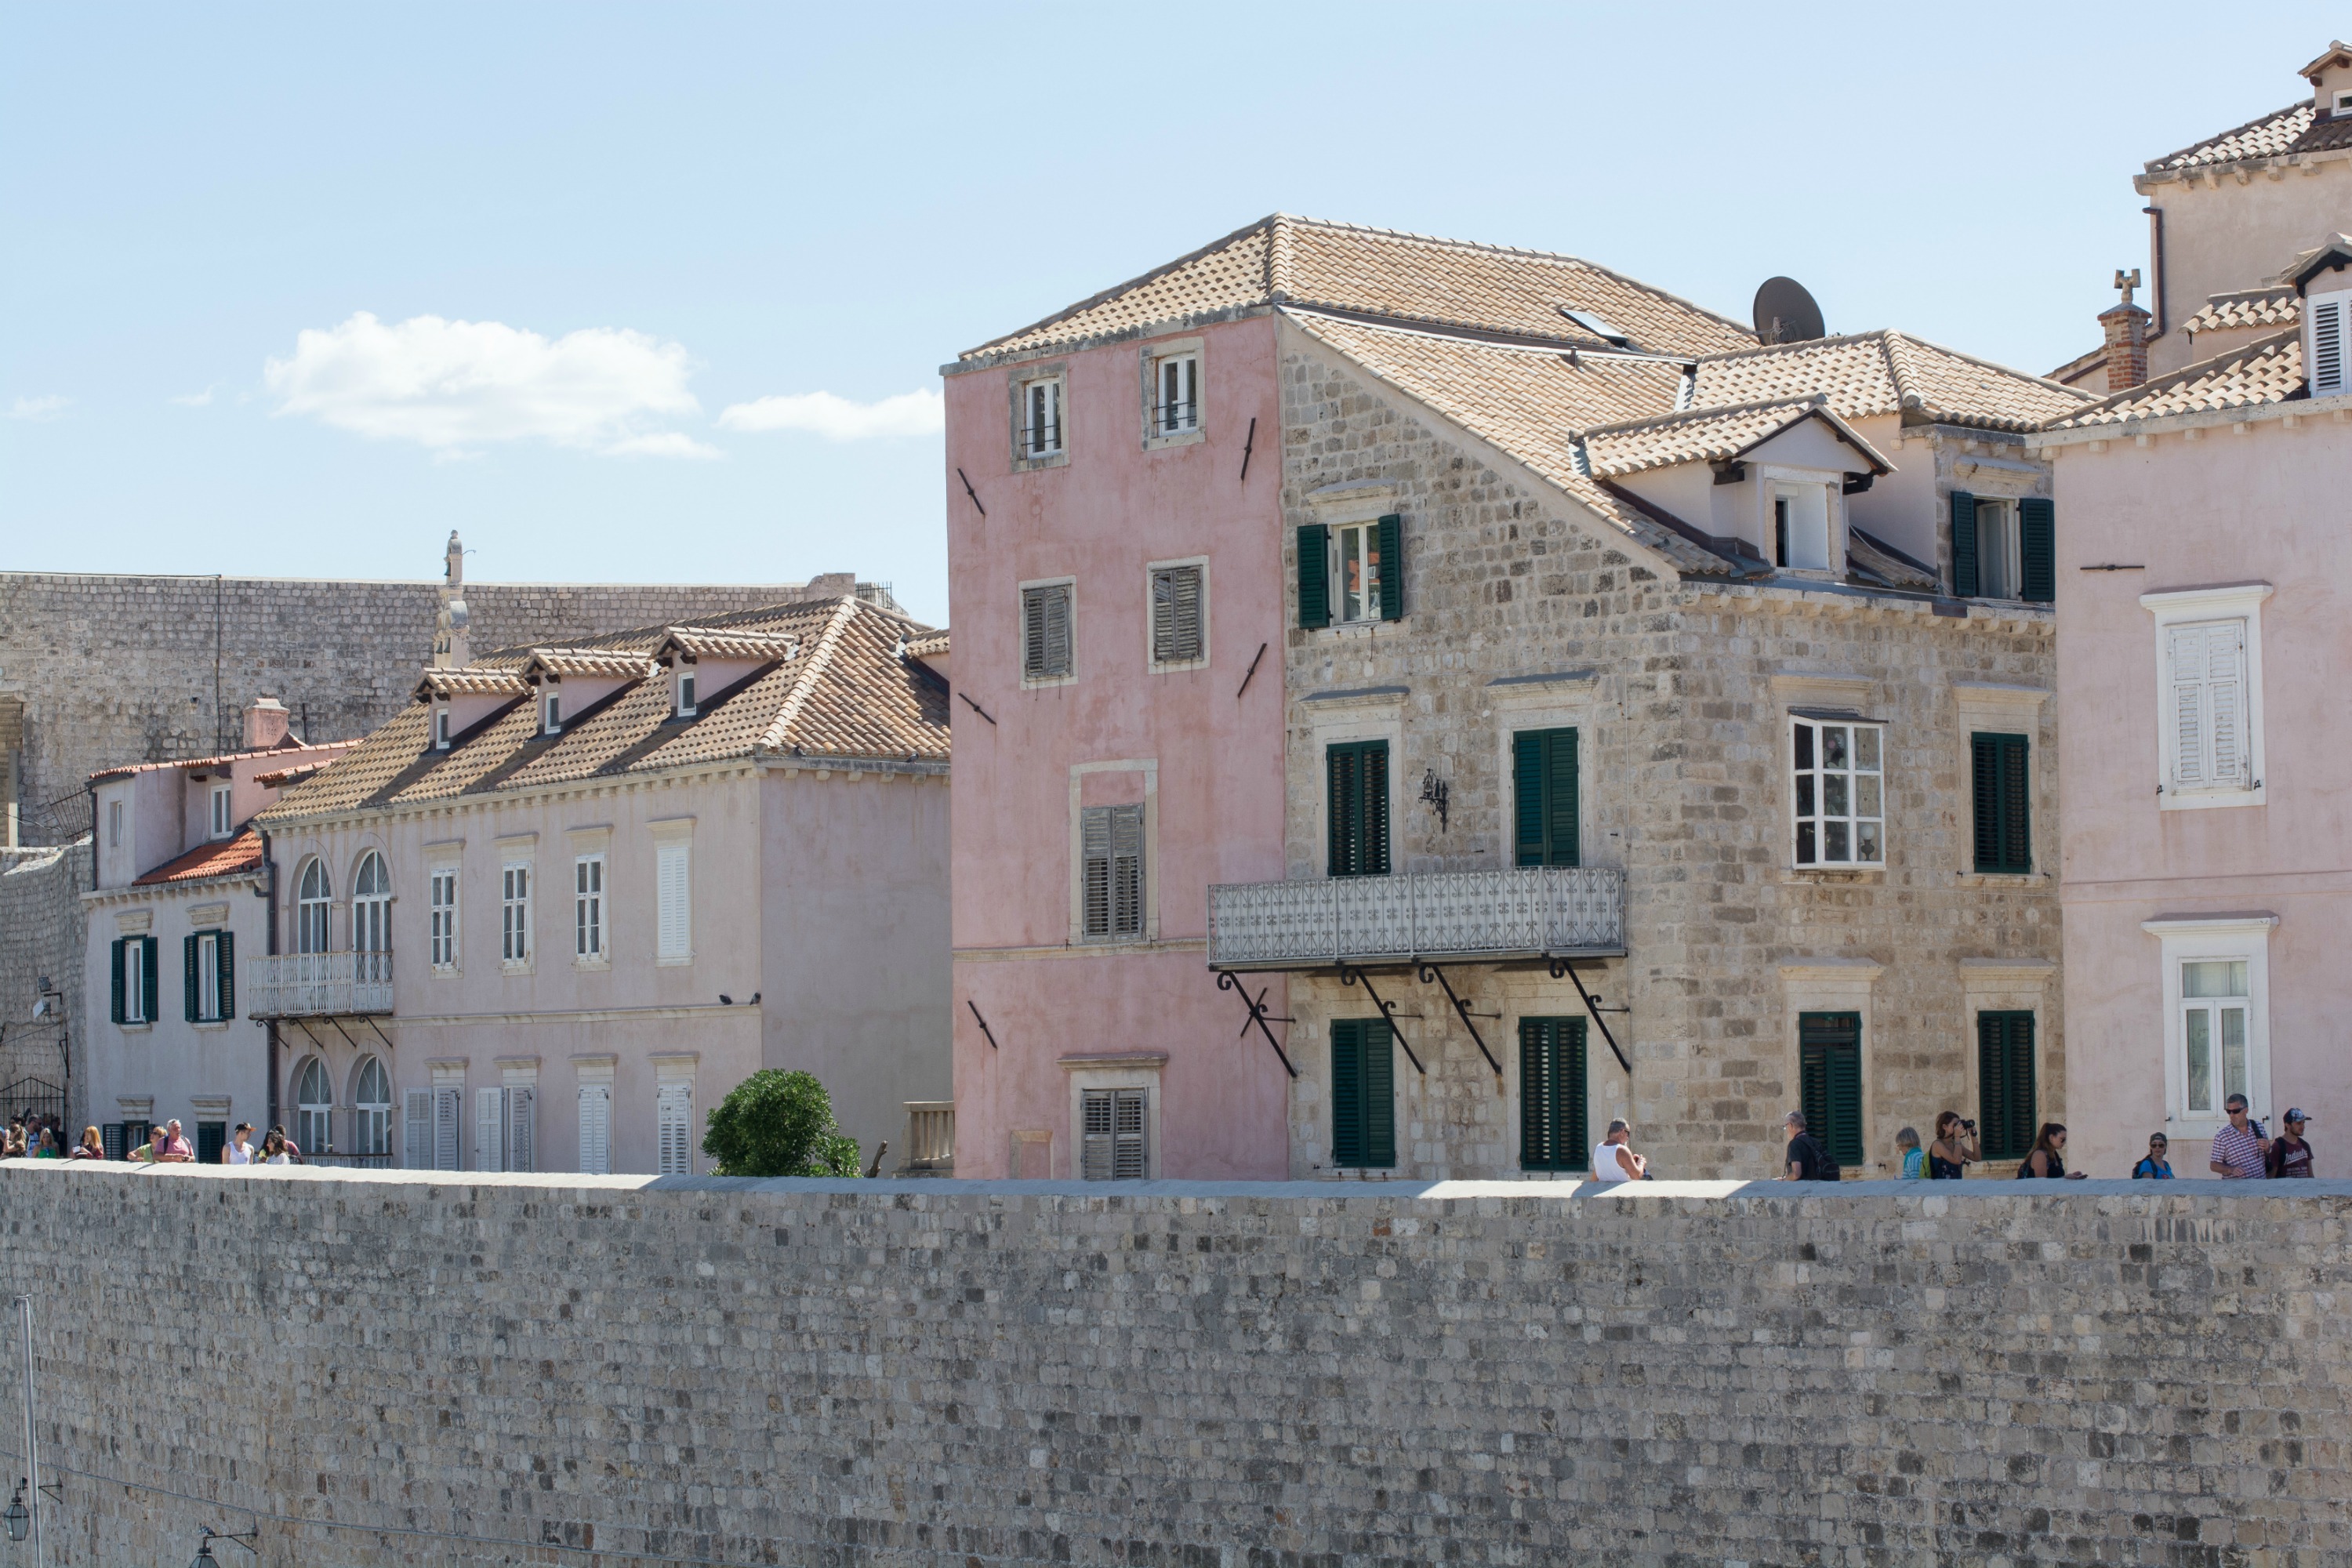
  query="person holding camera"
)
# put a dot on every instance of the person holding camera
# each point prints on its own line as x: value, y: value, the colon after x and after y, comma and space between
x: 2240, y: 1151
x: 1954, y: 1148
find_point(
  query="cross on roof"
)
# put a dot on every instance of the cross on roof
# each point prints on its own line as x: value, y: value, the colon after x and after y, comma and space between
x: 2126, y: 281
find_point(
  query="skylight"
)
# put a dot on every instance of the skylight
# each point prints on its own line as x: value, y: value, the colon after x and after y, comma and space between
x: 1598, y: 325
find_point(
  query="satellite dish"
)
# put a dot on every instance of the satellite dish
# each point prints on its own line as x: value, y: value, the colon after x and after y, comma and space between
x: 1785, y: 314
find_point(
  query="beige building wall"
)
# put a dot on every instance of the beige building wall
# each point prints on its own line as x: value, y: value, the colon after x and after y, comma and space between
x: 2237, y: 228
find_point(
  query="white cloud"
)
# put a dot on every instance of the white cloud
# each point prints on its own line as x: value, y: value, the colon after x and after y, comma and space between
x: 664, y: 444
x: 196, y: 399
x: 918, y: 413
x: 449, y: 385
x: 48, y: 407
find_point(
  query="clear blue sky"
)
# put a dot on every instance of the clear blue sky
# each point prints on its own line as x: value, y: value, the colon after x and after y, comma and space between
x: 654, y: 214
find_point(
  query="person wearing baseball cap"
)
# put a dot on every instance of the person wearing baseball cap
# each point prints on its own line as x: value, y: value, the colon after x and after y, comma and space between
x: 2290, y: 1156
x: 239, y: 1150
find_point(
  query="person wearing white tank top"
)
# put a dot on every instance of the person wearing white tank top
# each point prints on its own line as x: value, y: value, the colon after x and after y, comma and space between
x: 1613, y: 1154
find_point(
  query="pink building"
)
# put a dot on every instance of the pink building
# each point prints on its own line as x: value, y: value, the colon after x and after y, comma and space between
x: 2204, y: 627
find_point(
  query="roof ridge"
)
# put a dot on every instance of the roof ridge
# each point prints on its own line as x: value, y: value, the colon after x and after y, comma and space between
x: 1914, y: 341
x: 1486, y: 337
x: 1710, y: 411
x: 2158, y: 165
x: 814, y: 665
x: 1116, y: 289
x: 2284, y: 337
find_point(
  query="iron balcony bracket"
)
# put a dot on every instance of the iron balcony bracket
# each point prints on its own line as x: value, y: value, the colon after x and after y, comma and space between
x: 1352, y: 975
x: 1429, y: 972
x: 1565, y: 969
x: 1228, y: 981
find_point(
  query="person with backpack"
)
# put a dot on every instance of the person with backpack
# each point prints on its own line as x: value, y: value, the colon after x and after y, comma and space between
x: 1808, y: 1159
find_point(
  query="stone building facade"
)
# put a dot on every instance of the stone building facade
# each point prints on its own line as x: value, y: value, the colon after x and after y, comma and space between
x: 43, y: 1037
x: 1522, y: 613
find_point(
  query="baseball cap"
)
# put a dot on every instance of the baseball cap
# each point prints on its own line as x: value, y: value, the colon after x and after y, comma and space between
x: 2296, y: 1114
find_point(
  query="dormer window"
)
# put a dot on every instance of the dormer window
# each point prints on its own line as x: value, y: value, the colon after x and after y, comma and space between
x: 440, y: 726
x: 222, y: 823
x: 1801, y: 527
x: 686, y: 692
x: 2326, y: 315
x: 551, y: 712
x: 2343, y: 102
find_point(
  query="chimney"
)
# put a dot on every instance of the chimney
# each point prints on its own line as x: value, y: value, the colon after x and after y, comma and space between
x: 2126, y: 327
x: 453, y: 648
x: 265, y: 724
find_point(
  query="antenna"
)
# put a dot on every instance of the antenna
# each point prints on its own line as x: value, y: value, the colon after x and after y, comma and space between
x: 1785, y: 312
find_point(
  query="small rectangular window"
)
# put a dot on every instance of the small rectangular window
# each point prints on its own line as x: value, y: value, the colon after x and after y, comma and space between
x: 1176, y: 635
x: 2003, y: 803
x: 1801, y: 527
x: 2206, y: 707
x: 2327, y: 344
x: 686, y: 693
x: 2005, y: 1108
x: 222, y: 822
x: 1357, y: 808
x: 1829, y: 1052
x: 114, y: 824
x: 1356, y: 572
x: 1047, y: 651
x: 1111, y: 841
x: 673, y: 896
x: 137, y: 980
x: 208, y: 975
x: 1553, y: 1132
x: 674, y: 1132
x: 553, y: 721
x: 588, y: 906
x: 1363, y: 1094
x: 1176, y: 394
x: 444, y: 917
x: 1041, y: 419
x: 440, y: 728
x: 1116, y: 1132
x: 2214, y: 1004
x: 1998, y: 563
x: 514, y: 914
x: 1837, y: 793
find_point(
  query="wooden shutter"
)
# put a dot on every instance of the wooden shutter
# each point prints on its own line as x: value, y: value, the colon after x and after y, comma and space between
x: 674, y: 1114
x: 1045, y: 631
x: 1999, y: 782
x: 152, y: 972
x: 1544, y: 804
x: 2037, y: 547
x: 188, y: 959
x: 1554, y: 1134
x: 1829, y: 1081
x: 2005, y: 1084
x: 1380, y: 1094
x: 2326, y: 347
x: 1094, y: 854
x: 118, y: 961
x: 225, y: 954
x: 2208, y: 706
x: 521, y: 1129
x: 1964, y: 544
x: 1347, y: 1091
x: 1094, y: 1153
x: 1375, y: 766
x: 674, y: 895
x: 1343, y: 812
x: 1114, y: 1133
x: 1359, y: 809
x: 448, y: 1109
x: 1391, y: 536
x: 211, y: 1137
x: 1528, y: 815
x: 1127, y: 870
x: 595, y: 1129
x: 489, y: 1129
x: 1176, y: 615
x: 419, y: 1135
x: 1313, y: 575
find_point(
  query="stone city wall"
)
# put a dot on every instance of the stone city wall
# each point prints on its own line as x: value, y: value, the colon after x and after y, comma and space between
x: 391, y: 1367
x: 41, y: 934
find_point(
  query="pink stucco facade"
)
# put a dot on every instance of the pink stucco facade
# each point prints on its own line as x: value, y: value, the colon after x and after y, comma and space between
x: 1199, y: 753
x: 2196, y: 521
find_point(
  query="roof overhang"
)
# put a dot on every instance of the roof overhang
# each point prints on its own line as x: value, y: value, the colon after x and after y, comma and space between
x: 2332, y: 256
x: 2337, y: 53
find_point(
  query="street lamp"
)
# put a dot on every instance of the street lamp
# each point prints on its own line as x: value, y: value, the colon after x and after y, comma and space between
x: 17, y: 1518
x: 205, y: 1547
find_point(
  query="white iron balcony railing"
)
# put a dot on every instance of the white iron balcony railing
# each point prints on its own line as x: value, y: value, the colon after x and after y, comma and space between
x: 1532, y: 912
x: 317, y: 984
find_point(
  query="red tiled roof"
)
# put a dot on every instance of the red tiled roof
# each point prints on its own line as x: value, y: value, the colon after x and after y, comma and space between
x: 288, y: 745
x: 226, y: 858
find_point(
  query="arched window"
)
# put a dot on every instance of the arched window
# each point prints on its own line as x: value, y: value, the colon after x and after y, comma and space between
x: 313, y: 1100
x: 371, y: 905
x: 310, y: 912
x: 372, y: 1118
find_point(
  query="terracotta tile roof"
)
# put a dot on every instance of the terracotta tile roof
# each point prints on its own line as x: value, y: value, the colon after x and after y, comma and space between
x: 562, y: 661
x: 227, y: 858
x: 1709, y: 434
x: 474, y: 680
x: 846, y: 695
x: 2268, y: 370
x: 288, y: 745
x: 2274, y: 306
x: 1887, y: 373
x: 2269, y: 136
x: 705, y: 642
x: 930, y: 644
x: 1407, y: 278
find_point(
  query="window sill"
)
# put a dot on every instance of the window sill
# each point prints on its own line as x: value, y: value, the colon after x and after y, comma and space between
x: 445, y: 971
x: 592, y: 966
x: 1999, y: 878
x: 2209, y: 800
x: 1359, y: 628
x: 678, y: 960
x: 1040, y: 682
x: 1834, y: 873
x: 1178, y: 665
x: 211, y: 1026
x: 1049, y: 460
x: 1182, y: 438
x: 515, y: 966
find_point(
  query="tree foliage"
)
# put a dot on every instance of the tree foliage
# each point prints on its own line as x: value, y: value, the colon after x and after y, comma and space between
x: 778, y: 1123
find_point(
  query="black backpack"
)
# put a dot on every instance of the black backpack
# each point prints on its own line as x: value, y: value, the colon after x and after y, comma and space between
x: 1825, y: 1166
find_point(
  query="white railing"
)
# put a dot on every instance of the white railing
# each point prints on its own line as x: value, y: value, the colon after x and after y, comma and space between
x: 316, y: 985
x: 1532, y: 912
x: 930, y: 1139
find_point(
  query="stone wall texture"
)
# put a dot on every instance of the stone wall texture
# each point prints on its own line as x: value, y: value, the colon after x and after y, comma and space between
x: 41, y: 934
x: 380, y: 1368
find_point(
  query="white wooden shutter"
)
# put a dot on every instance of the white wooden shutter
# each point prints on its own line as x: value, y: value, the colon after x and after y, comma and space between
x: 595, y: 1129
x: 2208, y: 676
x: 448, y: 1108
x: 522, y: 1128
x: 419, y: 1143
x: 489, y: 1128
x: 1096, y: 1160
x: 673, y: 1106
x: 2326, y: 347
x: 674, y: 894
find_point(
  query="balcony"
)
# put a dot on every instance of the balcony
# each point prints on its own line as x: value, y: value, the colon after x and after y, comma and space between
x: 318, y: 984
x: 1526, y: 913
x: 930, y: 1139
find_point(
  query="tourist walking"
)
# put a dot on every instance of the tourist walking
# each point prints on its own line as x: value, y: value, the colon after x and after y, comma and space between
x: 2155, y: 1167
x: 1613, y: 1159
x: 1808, y: 1159
x: 1915, y: 1159
x: 2240, y: 1153
x: 2290, y: 1156
x: 239, y: 1150
x: 1954, y: 1150
x: 2049, y: 1156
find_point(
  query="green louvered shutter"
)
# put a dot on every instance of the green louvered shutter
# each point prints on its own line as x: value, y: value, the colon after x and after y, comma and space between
x: 1313, y: 575
x: 225, y: 951
x: 1359, y: 809
x: 1379, y: 1095
x: 1543, y: 767
x: 120, y: 944
x: 1528, y: 795
x: 1343, y: 809
x: 1375, y: 781
x: 1964, y: 544
x: 1392, y: 568
x: 1347, y: 1091
x: 1553, y: 1132
x: 1999, y: 780
x: 188, y: 976
x: 153, y: 973
x: 1829, y: 1048
x: 2037, y: 547
x: 1845, y: 1106
x: 2005, y: 1084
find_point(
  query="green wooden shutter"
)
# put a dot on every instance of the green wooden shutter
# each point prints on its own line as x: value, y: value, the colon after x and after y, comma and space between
x: 188, y: 976
x: 2003, y: 827
x: 1342, y: 810
x: 119, y: 943
x: 1379, y: 1095
x: 1553, y: 1132
x: 1347, y: 1091
x: 1313, y: 575
x: 1358, y: 805
x: 154, y: 971
x: 225, y: 951
x: 1964, y: 544
x: 1845, y: 1106
x: 2037, y: 548
x: 1544, y: 806
x: 1392, y: 568
x: 1984, y: 770
x: 1829, y: 1074
x: 1528, y: 795
x: 1375, y: 766
x: 2005, y: 1084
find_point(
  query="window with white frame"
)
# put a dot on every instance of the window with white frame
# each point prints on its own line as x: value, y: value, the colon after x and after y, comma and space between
x: 1040, y: 419
x: 674, y: 899
x: 2329, y: 316
x: 114, y: 824
x: 1111, y: 843
x: 686, y: 692
x: 1356, y: 571
x: 1176, y: 393
x: 442, y: 899
x: 223, y: 823
x: 1178, y: 613
x: 207, y: 976
x: 371, y: 905
x: 514, y: 912
x: 552, y: 710
x: 1999, y: 563
x: 1048, y: 646
x: 1801, y: 526
x: 314, y: 1106
x: 588, y: 907
x: 2208, y: 695
x: 372, y: 1108
x: 2216, y: 988
x: 138, y: 1006
x: 674, y: 1126
x: 2214, y: 1009
x: 440, y: 726
x: 313, y: 902
x: 1115, y: 1144
x: 1837, y: 792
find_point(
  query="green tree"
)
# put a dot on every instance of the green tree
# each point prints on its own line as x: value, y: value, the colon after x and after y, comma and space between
x: 778, y: 1123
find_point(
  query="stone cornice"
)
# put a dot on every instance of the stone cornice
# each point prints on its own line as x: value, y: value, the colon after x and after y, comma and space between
x: 2317, y: 410
x: 140, y: 892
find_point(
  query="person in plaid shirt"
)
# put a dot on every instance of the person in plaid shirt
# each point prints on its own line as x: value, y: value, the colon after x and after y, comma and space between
x: 2238, y: 1151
